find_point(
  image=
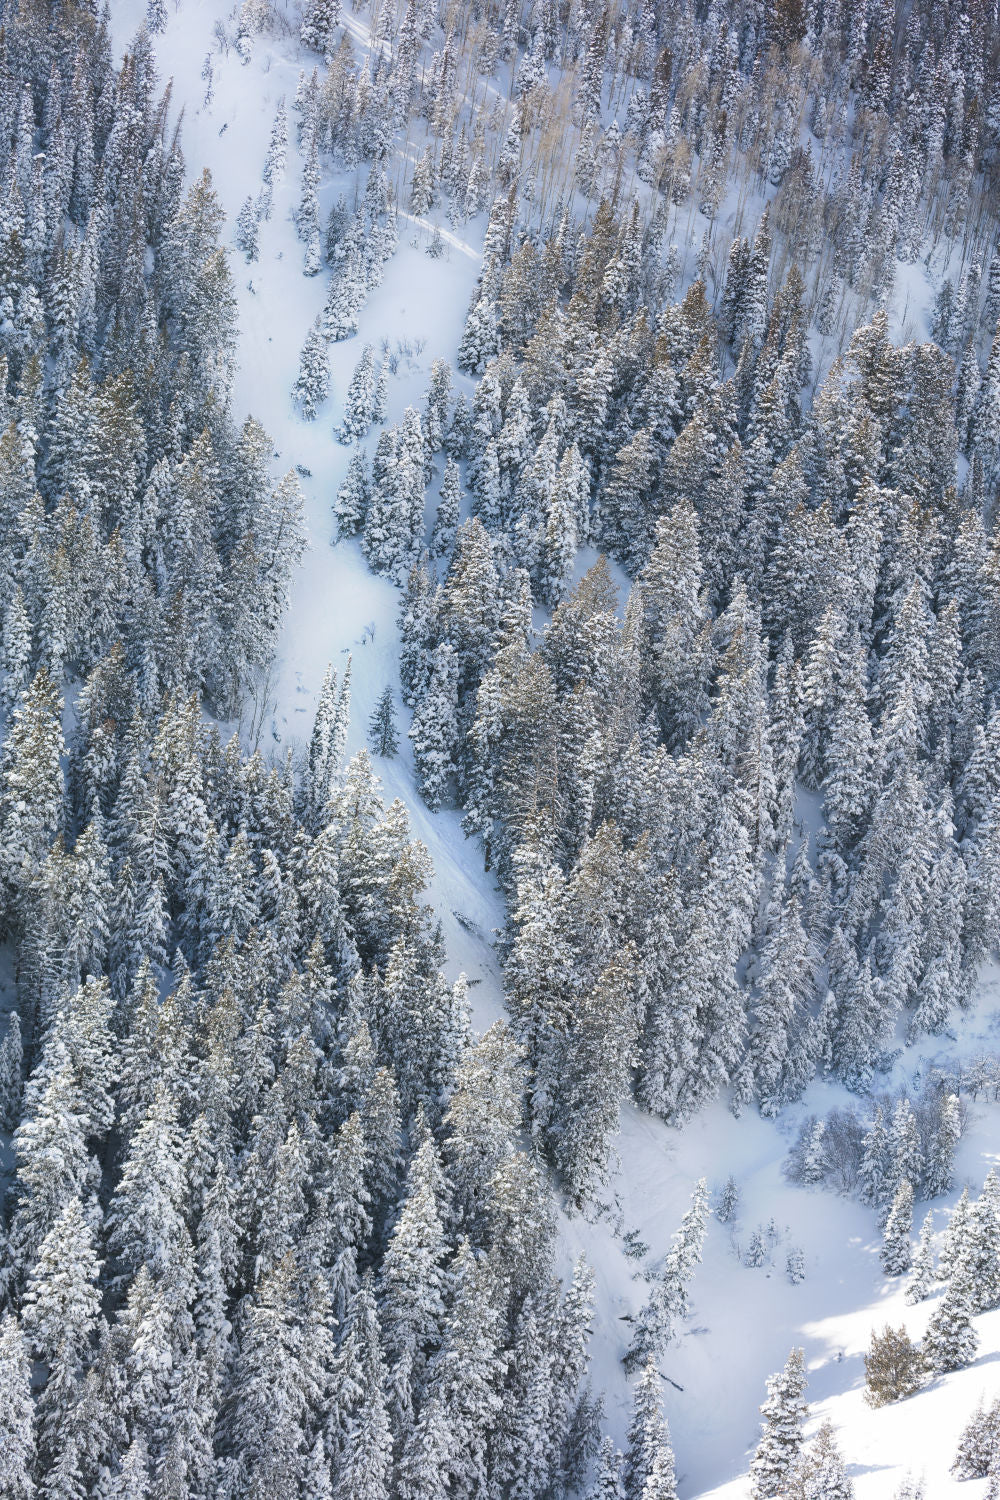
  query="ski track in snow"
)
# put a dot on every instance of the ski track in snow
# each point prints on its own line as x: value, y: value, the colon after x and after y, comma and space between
x: 745, y: 1320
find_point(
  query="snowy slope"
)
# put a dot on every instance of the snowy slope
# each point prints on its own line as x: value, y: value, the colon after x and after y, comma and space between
x: 338, y: 606
x: 745, y: 1319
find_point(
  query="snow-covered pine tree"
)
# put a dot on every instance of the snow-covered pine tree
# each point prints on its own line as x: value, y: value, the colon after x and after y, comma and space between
x: 649, y: 1459
x: 277, y: 150
x: 17, y: 1414
x: 956, y: 1237
x: 981, y: 1254
x: 876, y: 1179
x: 382, y: 732
x: 608, y: 1484
x: 359, y: 403
x: 11, y: 1069
x: 781, y: 1440
x: 820, y: 1473
x: 446, y: 518
x: 978, y: 1453
x: 248, y: 229
x: 795, y: 1264
x: 434, y: 730
x: 922, y: 1271
x: 729, y: 1201
x: 668, y: 1302
x: 951, y: 1340
x: 312, y: 384
x: 896, y: 1252
x: 940, y: 1166
x: 320, y: 19
x: 351, y: 506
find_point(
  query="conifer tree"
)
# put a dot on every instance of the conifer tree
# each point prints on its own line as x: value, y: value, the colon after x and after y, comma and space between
x: 274, y: 166
x: 248, y: 229
x: 781, y: 1441
x: 608, y: 1483
x: 382, y: 729
x: 11, y: 1062
x: 978, y: 1452
x: 922, y: 1272
x: 956, y: 1237
x: 320, y: 19
x: 60, y: 1316
x: 351, y: 506
x: 820, y: 1473
x: 980, y: 1255
x: 312, y: 385
x: 951, y: 1340
x: 894, y: 1367
x: 434, y: 730
x: 31, y: 790
x: 359, y: 405
x: 17, y: 1414
x: 649, y: 1459
x: 446, y: 519
x: 668, y: 1302
x: 941, y: 1157
x: 876, y: 1178
x: 896, y: 1253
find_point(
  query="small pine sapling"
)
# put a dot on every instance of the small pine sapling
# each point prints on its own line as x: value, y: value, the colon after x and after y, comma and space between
x: 729, y: 1202
x: 756, y: 1250
x: 795, y: 1265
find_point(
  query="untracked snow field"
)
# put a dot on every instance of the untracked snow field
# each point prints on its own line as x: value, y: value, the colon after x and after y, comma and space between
x: 745, y: 1319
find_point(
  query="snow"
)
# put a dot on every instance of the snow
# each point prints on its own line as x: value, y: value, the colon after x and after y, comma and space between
x: 745, y: 1320
x: 338, y: 606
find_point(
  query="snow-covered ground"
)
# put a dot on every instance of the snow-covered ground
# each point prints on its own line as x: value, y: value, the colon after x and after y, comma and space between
x: 745, y: 1320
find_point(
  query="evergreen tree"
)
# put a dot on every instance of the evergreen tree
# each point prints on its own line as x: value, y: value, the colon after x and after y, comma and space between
x: 248, y: 230
x: 351, y: 507
x: 978, y: 1452
x: 896, y: 1253
x: 781, y: 1441
x: 61, y: 1309
x: 820, y: 1473
x: 894, y: 1367
x: 360, y: 401
x: 320, y: 19
x: 951, y: 1340
x: 980, y: 1255
x: 729, y: 1201
x: 382, y: 729
x: 649, y: 1459
x: 446, y: 519
x: 608, y: 1476
x: 434, y: 730
x: 17, y: 1414
x: 668, y: 1302
x: 922, y: 1272
x: 312, y: 385
x: 876, y: 1177
x: 940, y: 1165
x: 11, y: 1062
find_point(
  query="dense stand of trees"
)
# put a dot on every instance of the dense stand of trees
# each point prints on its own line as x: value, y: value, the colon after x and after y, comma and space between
x: 273, y: 1228
x: 270, y: 1229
